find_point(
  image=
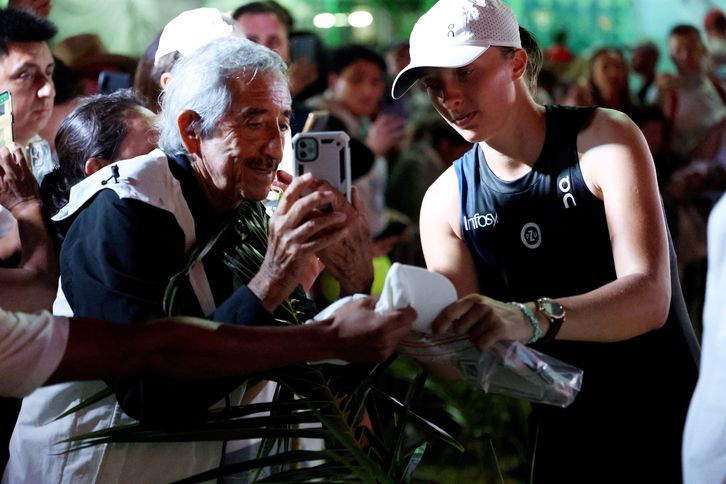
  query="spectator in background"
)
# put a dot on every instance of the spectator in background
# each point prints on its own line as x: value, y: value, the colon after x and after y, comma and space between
x: 558, y: 52
x: 704, y: 442
x: 29, y: 270
x: 26, y: 69
x: 607, y: 82
x: 146, y: 86
x: 644, y: 59
x: 103, y: 129
x: 67, y: 95
x: 558, y: 56
x: 433, y: 148
x: 87, y: 56
x: 694, y: 102
x: 714, y: 23
x: 356, y: 85
x: 268, y: 23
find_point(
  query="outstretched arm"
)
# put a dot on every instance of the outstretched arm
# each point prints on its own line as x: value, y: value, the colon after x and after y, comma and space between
x: 30, y: 286
x: 191, y: 348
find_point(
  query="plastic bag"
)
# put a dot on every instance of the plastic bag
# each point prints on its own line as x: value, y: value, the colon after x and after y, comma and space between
x: 508, y: 368
x: 514, y: 369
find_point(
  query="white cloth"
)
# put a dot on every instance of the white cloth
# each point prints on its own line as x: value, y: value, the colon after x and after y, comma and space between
x: 31, y: 347
x: 425, y: 291
x: 704, y: 438
x: 35, y: 455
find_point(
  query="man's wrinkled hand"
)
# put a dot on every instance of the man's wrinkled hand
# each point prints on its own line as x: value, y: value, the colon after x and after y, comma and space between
x: 298, y: 230
x: 350, y: 259
x: 365, y: 335
x: 17, y: 184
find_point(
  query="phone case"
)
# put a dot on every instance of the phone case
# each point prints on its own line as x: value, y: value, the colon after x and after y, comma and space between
x: 325, y: 154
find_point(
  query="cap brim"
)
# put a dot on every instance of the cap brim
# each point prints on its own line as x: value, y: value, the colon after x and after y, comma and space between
x: 444, y: 56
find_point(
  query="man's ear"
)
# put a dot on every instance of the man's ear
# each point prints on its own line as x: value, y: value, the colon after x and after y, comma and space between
x: 164, y: 79
x: 94, y: 164
x: 519, y: 61
x: 188, y: 125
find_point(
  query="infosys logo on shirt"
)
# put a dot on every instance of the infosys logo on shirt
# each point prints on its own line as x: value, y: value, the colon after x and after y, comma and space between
x: 478, y: 221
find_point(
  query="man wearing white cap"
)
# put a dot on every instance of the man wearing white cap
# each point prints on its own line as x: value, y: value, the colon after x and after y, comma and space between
x: 558, y: 202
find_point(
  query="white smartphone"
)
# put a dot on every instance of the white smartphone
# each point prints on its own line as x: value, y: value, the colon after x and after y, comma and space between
x: 325, y: 154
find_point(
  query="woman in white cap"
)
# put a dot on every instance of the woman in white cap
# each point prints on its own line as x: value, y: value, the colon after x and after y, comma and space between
x: 558, y: 203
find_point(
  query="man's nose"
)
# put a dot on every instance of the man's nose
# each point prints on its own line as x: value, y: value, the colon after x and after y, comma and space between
x: 276, y: 144
x: 47, y: 89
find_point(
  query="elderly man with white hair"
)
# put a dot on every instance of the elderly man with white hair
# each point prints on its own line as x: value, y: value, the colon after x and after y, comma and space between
x: 132, y: 227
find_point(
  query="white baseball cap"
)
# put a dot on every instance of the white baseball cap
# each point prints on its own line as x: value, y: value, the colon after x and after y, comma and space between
x: 192, y: 29
x: 453, y: 33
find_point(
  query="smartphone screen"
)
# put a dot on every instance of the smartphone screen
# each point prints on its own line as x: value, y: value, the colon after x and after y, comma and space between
x: 6, y: 119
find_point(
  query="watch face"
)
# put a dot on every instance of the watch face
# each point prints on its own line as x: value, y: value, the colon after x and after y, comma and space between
x: 554, y: 309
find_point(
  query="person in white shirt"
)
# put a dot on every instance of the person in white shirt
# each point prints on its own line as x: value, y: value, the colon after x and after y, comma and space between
x: 704, y: 438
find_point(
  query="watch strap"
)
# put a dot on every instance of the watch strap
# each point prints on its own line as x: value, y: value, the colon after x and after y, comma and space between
x: 555, y: 322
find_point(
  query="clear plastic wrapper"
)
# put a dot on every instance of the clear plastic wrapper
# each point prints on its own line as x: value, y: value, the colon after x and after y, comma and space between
x: 514, y: 369
x: 508, y: 368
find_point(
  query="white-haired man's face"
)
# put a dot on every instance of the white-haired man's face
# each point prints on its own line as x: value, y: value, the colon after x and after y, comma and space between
x: 240, y: 158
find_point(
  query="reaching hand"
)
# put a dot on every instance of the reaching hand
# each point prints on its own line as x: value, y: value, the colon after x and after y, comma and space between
x: 298, y: 229
x: 17, y: 184
x: 485, y: 320
x: 365, y: 335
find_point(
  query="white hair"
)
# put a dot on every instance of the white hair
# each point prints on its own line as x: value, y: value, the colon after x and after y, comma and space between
x: 200, y: 83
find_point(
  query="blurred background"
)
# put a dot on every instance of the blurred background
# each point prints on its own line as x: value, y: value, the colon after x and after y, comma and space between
x: 129, y: 25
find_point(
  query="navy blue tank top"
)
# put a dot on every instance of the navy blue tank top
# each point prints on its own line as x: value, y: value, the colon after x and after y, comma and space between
x: 546, y: 234
x: 542, y: 234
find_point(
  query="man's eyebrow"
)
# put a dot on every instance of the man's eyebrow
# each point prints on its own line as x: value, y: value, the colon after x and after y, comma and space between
x: 31, y: 65
x: 26, y: 65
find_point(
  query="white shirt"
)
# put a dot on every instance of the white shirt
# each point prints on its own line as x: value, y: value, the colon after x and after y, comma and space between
x: 31, y: 347
x: 704, y: 438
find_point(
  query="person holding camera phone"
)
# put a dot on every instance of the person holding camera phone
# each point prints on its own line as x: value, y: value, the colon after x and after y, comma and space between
x: 26, y: 69
x: 211, y: 160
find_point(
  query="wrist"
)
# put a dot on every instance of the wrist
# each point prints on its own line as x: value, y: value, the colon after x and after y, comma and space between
x: 264, y: 289
x: 529, y: 315
x: 25, y: 207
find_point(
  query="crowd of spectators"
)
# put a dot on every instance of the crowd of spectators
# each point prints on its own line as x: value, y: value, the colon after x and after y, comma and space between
x: 87, y: 237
